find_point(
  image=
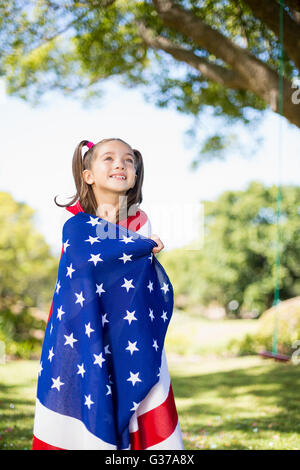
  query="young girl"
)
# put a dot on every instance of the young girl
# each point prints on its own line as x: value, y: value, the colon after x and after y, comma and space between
x: 108, y: 180
x: 101, y: 194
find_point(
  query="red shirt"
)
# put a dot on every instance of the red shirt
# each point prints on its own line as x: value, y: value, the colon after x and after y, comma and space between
x: 132, y: 222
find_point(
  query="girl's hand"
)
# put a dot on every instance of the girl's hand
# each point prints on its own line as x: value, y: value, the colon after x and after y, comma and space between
x: 160, y: 244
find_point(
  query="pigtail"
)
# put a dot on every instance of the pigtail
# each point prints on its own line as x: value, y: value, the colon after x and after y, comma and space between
x: 78, y: 167
x: 84, y: 192
x: 140, y: 176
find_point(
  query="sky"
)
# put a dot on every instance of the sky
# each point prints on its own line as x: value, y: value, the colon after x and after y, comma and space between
x: 43, y: 140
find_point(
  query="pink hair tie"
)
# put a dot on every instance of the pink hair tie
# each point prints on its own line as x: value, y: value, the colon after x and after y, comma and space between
x: 90, y: 145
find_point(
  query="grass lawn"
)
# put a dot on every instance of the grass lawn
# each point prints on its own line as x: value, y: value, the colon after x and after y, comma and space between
x: 239, y: 403
x: 17, y: 395
x: 223, y: 403
x: 189, y: 334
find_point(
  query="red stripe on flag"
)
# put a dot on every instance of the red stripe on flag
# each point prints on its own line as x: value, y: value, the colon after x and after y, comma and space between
x: 50, y: 313
x: 155, y: 425
x: 40, y: 445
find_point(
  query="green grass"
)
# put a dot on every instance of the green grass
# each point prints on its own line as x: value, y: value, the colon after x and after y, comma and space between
x: 237, y: 403
x: 188, y: 334
x: 17, y: 399
x: 222, y: 402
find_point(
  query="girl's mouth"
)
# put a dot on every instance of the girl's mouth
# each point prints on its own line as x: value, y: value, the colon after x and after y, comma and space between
x: 118, y: 177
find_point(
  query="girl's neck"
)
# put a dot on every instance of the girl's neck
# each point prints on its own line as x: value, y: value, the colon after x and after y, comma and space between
x: 108, y: 204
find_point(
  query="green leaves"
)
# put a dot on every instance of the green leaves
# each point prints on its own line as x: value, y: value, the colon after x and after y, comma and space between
x: 237, y: 261
x: 73, y: 46
x: 27, y: 272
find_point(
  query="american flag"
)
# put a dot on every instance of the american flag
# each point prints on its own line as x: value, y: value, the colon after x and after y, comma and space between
x: 103, y: 380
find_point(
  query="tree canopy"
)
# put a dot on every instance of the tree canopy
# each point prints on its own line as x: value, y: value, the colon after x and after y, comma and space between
x: 221, y: 57
x: 27, y: 273
x: 236, y: 265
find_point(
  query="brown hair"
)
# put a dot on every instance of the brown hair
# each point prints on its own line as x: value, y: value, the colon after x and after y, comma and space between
x: 84, y: 191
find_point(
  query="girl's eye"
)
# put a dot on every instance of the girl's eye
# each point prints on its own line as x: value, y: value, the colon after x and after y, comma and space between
x: 128, y: 159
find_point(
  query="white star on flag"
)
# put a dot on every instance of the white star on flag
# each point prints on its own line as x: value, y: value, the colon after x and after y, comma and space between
x: 92, y: 240
x: 155, y: 345
x: 127, y: 239
x: 51, y: 354
x: 135, y: 406
x: 56, y: 383
x: 88, y: 329
x: 95, y: 258
x: 164, y: 316
x: 106, y: 350
x: 51, y: 328
x: 70, y: 340
x: 130, y: 316
x: 94, y: 221
x: 80, y: 298
x: 151, y: 314
x: 99, y: 289
x: 99, y: 359
x: 41, y: 368
x: 133, y: 378
x: 60, y: 312
x: 58, y: 286
x: 81, y: 370
x: 104, y: 319
x: 132, y: 347
x: 88, y: 401
x: 150, y: 286
x: 109, y: 390
x: 127, y: 284
x: 70, y: 271
x: 165, y: 288
x: 125, y: 258
x: 66, y: 244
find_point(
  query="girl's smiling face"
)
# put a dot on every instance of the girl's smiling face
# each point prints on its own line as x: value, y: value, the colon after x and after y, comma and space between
x: 112, y: 158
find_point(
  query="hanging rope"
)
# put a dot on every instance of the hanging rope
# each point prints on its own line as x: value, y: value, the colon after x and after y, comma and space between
x: 278, y: 202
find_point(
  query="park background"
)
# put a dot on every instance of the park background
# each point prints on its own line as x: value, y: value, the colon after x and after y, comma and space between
x: 222, y: 156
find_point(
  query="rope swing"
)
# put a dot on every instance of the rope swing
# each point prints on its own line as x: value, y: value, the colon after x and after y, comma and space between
x: 274, y: 354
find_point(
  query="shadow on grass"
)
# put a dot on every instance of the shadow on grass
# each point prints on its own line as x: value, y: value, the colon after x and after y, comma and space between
x: 274, y: 386
x: 219, y: 394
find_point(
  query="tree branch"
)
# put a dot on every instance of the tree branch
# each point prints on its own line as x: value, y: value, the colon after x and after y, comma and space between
x: 259, y: 77
x: 268, y: 12
x: 205, y: 36
x: 216, y: 73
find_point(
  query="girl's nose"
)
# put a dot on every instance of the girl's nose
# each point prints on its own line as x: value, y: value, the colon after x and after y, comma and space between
x: 119, y: 164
